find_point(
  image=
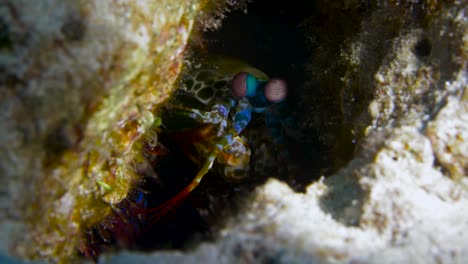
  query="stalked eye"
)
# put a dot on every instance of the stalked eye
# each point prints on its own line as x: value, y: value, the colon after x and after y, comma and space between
x: 244, y: 84
x: 276, y: 90
x: 239, y: 84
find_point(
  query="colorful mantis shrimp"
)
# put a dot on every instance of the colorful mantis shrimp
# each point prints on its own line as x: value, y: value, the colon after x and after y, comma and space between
x: 209, y: 113
x: 211, y: 117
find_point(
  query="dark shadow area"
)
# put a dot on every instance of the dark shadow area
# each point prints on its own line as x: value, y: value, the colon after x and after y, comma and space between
x: 271, y: 37
x: 268, y: 37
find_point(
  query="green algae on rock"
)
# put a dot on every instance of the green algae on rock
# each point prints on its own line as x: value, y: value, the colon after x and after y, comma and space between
x: 82, y: 81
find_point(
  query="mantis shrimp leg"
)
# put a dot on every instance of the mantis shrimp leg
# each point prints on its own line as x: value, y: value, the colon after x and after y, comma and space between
x: 160, y: 211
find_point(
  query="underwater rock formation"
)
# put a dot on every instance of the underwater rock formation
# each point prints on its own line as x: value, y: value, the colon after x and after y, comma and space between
x: 387, y: 95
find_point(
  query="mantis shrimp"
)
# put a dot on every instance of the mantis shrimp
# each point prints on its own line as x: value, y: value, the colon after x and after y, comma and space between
x: 209, y: 116
x: 209, y: 113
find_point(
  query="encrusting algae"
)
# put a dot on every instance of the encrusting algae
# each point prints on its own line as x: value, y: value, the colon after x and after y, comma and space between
x: 102, y: 170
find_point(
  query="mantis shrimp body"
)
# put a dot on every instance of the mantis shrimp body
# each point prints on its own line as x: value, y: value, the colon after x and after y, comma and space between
x: 219, y: 116
x: 208, y: 115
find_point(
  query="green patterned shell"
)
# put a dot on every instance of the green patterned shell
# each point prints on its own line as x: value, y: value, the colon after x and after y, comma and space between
x: 209, y: 81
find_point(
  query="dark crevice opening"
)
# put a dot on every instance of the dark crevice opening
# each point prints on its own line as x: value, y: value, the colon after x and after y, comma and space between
x: 269, y: 37
x: 274, y: 38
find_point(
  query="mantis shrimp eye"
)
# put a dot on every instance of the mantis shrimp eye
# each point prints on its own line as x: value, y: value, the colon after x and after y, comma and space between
x: 276, y: 90
x: 244, y: 84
